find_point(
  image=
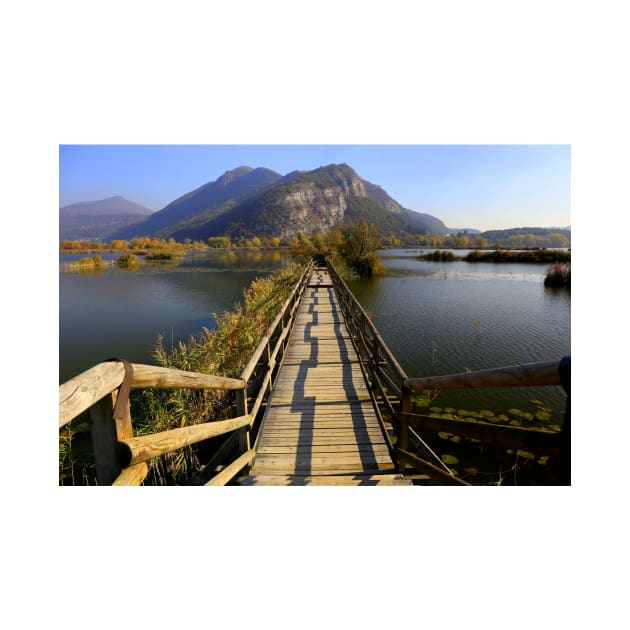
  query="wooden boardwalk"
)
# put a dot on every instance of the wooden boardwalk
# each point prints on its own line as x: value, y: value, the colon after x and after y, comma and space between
x: 320, y: 427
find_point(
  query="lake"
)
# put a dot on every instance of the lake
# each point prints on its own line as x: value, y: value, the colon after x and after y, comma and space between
x: 120, y: 313
x: 451, y: 317
x: 436, y: 317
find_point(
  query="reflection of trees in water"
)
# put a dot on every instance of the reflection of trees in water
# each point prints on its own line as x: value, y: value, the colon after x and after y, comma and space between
x: 229, y: 258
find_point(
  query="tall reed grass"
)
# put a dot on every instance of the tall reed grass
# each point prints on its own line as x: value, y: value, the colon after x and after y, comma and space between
x: 558, y: 275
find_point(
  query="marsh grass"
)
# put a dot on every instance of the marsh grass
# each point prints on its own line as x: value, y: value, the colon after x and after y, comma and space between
x: 164, y: 255
x: 558, y: 275
x: 532, y: 256
x: 440, y: 256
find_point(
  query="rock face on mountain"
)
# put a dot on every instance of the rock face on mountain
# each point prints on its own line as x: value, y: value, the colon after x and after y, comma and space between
x: 311, y: 202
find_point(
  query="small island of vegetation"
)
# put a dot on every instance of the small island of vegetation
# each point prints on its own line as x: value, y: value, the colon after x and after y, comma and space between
x: 541, y: 255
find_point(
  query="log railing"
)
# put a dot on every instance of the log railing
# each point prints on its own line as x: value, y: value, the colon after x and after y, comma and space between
x: 121, y: 458
x: 392, y: 390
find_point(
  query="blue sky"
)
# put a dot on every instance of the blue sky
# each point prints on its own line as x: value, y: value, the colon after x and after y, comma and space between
x: 478, y: 186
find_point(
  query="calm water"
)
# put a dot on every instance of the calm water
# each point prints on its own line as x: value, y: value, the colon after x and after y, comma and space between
x: 437, y: 318
x: 120, y: 313
x: 441, y: 318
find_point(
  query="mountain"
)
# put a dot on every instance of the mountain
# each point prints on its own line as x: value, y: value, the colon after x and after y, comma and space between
x: 312, y: 201
x: 96, y: 220
x: 201, y: 205
x: 110, y: 206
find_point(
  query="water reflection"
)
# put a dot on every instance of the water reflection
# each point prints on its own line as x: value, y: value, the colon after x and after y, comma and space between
x: 121, y: 312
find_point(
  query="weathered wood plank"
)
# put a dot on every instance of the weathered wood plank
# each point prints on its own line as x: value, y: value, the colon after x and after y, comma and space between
x: 82, y: 391
x: 300, y: 451
x: 326, y: 480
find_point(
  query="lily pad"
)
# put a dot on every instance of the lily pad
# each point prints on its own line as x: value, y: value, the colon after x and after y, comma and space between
x: 444, y: 435
x: 436, y: 409
x: 449, y: 410
x: 421, y: 401
x: 525, y: 454
x: 449, y: 460
x: 486, y: 413
x: 542, y: 415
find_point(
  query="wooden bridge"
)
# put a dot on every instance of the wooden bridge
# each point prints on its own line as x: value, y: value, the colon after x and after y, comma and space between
x: 320, y: 426
x: 322, y: 401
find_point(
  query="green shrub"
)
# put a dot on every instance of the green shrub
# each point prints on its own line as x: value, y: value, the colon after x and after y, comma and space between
x: 127, y: 260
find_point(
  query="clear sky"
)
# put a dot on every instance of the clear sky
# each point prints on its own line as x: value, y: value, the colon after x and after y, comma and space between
x: 476, y: 186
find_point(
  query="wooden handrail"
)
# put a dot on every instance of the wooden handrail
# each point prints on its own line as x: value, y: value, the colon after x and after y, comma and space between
x: 230, y: 471
x: 84, y: 390
x: 526, y: 375
x: 170, y: 378
x: 255, y: 358
x: 140, y: 449
x: 524, y: 438
x: 388, y: 356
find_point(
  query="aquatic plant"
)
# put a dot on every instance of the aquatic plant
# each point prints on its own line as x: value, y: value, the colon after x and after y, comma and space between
x: 440, y: 256
x: 127, y: 260
x: 558, y: 275
x: 164, y: 255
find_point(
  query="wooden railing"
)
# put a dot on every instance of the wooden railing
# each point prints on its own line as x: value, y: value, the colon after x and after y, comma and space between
x: 392, y: 391
x: 121, y: 458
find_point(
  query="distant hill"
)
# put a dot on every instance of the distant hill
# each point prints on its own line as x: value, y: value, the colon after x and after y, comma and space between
x: 195, y: 208
x: 96, y: 220
x: 464, y: 231
x: 529, y: 236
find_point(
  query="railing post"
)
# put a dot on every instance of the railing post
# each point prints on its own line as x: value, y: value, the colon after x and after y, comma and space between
x: 402, y: 441
x: 375, y: 361
x: 103, y: 429
x: 106, y: 431
x: 362, y: 341
x: 241, y: 410
x: 269, y: 366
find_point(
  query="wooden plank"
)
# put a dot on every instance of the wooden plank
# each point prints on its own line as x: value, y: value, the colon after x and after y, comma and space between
x: 354, y: 466
x: 379, y: 449
x: 327, y: 480
x: 317, y: 441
